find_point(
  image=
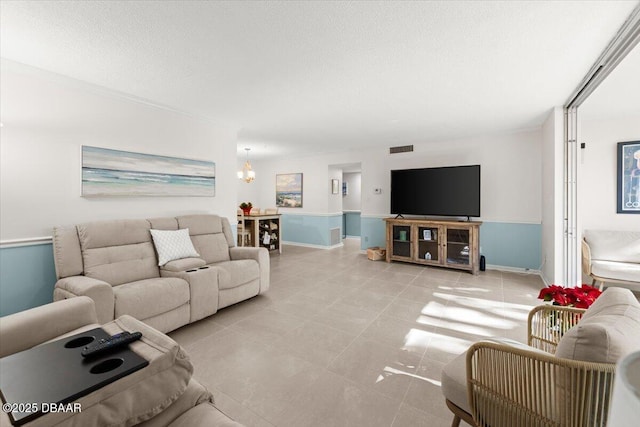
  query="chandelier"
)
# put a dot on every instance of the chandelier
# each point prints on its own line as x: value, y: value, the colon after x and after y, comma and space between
x: 247, y: 174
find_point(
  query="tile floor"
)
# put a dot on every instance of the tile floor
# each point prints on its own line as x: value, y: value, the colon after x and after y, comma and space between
x: 339, y: 340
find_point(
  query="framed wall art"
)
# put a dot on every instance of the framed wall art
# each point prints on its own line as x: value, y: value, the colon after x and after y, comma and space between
x: 289, y: 190
x: 107, y: 173
x: 628, y: 176
x: 335, y: 185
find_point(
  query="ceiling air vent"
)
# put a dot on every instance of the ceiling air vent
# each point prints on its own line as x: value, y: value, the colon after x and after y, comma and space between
x: 401, y: 149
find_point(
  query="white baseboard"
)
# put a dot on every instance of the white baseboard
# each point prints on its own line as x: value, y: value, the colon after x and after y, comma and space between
x: 516, y: 270
x: 309, y: 245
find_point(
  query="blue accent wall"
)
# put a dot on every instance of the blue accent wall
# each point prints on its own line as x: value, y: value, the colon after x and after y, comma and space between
x: 352, y: 223
x: 372, y: 232
x: 27, y: 277
x: 309, y: 229
x: 335, y: 221
x: 512, y: 244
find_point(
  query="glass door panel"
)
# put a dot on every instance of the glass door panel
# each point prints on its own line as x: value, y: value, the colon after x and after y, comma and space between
x: 458, y: 246
x: 428, y: 243
x: 402, y: 240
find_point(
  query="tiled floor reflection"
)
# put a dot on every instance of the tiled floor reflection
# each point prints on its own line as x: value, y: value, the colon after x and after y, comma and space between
x: 343, y: 341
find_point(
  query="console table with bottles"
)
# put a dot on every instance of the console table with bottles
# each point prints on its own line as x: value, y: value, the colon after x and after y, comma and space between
x: 442, y: 243
x: 265, y: 230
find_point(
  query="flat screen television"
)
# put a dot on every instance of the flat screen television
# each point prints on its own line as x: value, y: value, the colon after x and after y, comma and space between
x: 445, y: 191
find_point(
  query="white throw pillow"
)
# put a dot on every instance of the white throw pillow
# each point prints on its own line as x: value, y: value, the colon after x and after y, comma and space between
x: 173, y: 244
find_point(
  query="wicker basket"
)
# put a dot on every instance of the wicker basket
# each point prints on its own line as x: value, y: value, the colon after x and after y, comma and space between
x: 376, y: 253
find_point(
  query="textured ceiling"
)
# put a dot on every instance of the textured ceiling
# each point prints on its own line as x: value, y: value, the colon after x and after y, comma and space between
x: 321, y: 76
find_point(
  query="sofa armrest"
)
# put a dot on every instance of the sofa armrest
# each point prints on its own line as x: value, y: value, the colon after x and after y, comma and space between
x: 194, y: 395
x: 261, y: 255
x: 100, y: 292
x: 26, y: 329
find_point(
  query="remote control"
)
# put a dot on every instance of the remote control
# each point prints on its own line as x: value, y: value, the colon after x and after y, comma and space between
x: 108, y: 344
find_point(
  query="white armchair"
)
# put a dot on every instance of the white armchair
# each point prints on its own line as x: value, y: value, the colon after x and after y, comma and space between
x: 612, y: 257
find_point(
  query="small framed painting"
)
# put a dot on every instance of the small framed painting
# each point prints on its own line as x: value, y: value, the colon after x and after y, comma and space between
x: 628, y: 176
x: 289, y: 190
x: 345, y: 188
x: 335, y: 185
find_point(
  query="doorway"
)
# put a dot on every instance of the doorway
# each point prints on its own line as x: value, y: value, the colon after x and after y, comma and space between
x: 349, y: 198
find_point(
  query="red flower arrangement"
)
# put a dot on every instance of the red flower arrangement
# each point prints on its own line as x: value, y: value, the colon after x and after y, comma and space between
x: 579, y: 297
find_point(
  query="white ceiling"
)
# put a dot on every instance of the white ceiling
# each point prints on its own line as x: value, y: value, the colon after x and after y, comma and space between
x: 322, y: 76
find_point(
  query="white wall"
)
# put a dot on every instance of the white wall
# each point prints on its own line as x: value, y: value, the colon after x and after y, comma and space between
x: 511, y: 174
x: 597, y: 168
x: 47, y: 118
x: 315, y: 183
x: 510, y: 171
x: 552, y: 196
x: 248, y: 191
x: 352, y: 201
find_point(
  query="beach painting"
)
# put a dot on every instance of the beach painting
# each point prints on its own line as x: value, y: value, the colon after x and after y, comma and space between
x: 289, y: 190
x: 107, y: 173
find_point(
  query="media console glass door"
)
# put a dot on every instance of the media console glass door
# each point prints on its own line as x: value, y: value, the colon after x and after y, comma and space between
x: 429, y: 244
x: 401, y: 235
x: 458, y: 246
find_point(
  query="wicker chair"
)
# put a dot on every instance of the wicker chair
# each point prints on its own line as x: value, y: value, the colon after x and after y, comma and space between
x: 528, y: 386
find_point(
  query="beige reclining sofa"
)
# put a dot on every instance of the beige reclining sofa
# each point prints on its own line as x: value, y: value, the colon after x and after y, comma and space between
x: 163, y: 393
x: 115, y: 263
